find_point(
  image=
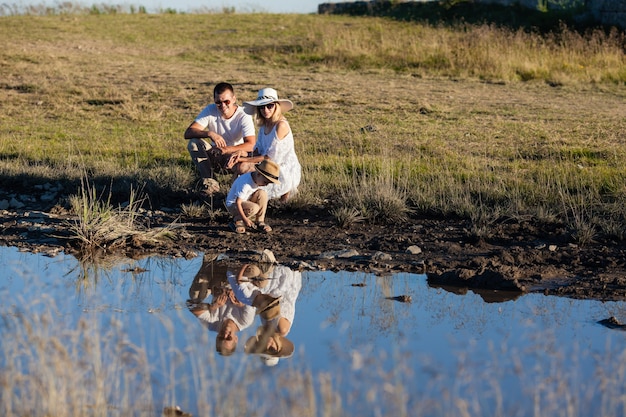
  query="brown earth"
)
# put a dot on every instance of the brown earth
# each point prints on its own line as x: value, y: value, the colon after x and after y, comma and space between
x: 517, y: 257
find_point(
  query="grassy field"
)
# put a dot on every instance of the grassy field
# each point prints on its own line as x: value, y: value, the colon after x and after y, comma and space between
x: 392, y: 119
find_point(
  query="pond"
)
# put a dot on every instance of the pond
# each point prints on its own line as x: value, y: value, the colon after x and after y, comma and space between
x: 135, y: 337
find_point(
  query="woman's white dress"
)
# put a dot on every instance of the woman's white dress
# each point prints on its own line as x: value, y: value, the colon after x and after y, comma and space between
x: 282, y: 152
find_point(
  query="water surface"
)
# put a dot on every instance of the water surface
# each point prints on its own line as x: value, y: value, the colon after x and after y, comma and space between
x: 444, y: 353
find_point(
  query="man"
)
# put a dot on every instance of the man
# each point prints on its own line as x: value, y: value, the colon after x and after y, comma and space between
x: 219, y: 133
x: 226, y: 316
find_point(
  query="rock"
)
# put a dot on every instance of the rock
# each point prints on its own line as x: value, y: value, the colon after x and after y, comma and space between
x: 4, y: 204
x: 267, y: 256
x: 304, y: 265
x: 175, y: 411
x: 414, y: 250
x: 381, y: 256
x: 15, y: 203
x: 346, y: 253
x: 612, y: 323
x: 401, y: 298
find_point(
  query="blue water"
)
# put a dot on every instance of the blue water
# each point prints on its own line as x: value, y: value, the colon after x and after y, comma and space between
x: 441, y: 353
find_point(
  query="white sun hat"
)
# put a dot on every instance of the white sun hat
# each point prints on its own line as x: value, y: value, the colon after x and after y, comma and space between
x: 266, y: 96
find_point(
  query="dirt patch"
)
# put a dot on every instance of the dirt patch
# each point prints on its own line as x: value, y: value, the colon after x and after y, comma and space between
x: 518, y: 257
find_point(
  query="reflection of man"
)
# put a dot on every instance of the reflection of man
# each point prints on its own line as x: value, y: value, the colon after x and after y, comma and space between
x: 276, y: 281
x: 224, y: 315
x: 210, y: 277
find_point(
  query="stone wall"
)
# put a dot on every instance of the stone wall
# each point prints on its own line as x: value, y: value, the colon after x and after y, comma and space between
x: 604, y: 12
x: 608, y: 12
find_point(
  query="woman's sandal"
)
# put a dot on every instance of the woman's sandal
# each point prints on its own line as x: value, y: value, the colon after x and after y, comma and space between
x: 238, y: 227
x: 263, y: 227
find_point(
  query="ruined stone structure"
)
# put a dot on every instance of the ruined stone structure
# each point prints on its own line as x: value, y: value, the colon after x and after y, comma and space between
x: 608, y: 12
x: 604, y: 12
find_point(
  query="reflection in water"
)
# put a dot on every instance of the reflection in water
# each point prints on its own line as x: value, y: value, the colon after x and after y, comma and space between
x: 128, y: 340
x: 224, y: 314
x: 226, y: 300
x: 488, y: 296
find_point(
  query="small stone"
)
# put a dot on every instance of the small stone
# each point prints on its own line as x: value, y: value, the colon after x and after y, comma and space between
x: 381, y: 256
x: 48, y: 196
x: 414, y: 250
x: 267, y: 256
x: 346, y: 253
x: 15, y: 203
x: 369, y: 128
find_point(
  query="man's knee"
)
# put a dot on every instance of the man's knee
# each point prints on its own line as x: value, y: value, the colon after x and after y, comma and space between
x: 196, y: 145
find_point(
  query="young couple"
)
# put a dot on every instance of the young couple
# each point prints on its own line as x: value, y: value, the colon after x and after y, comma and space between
x: 221, y: 138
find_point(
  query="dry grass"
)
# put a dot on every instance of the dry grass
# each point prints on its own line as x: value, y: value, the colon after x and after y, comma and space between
x: 99, y: 225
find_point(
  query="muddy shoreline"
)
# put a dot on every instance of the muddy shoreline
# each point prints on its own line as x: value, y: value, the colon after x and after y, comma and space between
x: 517, y: 257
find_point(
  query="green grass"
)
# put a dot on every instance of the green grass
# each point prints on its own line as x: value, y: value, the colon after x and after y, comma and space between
x: 461, y: 119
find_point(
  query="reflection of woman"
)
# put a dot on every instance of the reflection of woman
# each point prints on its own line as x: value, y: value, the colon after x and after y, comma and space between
x: 277, y: 281
x: 269, y: 345
x: 274, y: 141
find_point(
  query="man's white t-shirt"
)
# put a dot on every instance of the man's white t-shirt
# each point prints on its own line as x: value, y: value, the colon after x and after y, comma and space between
x: 233, y: 130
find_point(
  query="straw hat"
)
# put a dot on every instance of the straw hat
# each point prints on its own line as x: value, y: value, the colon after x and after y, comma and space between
x: 257, y: 345
x: 266, y: 96
x: 269, y: 169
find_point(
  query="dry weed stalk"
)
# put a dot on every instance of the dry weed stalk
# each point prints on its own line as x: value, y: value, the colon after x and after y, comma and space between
x: 99, y: 225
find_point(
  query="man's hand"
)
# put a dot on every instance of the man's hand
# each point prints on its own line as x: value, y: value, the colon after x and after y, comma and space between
x: 218, y: 140
x: 234, y: 300
x: 220, y: 300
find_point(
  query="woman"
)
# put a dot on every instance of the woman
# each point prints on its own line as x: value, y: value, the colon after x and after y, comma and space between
x: 274, y: 141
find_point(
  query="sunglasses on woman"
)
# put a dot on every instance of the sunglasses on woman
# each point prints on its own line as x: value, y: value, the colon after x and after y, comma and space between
x: 268, y: 106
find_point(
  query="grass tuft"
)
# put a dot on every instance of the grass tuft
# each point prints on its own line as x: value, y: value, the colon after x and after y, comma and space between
x: 101, y: 226
x: 346, y: 216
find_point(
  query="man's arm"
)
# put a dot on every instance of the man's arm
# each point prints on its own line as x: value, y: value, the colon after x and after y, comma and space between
x: 196, y: 130
x: 200, y: 308
x: 243, y: 149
